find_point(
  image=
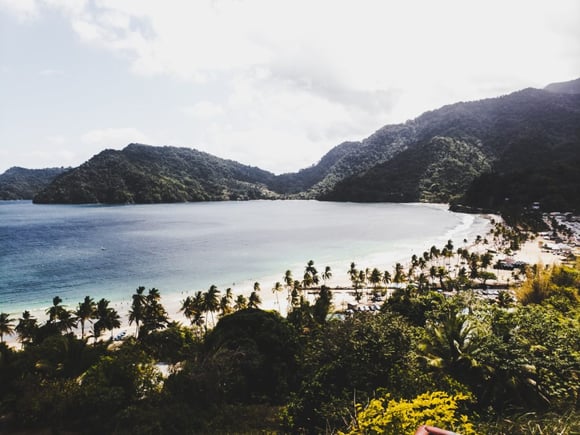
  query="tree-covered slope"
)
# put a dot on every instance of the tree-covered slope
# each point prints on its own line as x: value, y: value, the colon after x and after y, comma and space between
x: 22, y: 183
x: 433, y: 171
x: 442, y: 152
x: 524, y: 146
x: 146, y: 174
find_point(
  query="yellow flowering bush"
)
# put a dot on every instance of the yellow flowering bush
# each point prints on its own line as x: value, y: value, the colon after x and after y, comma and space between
x: 400, y: 417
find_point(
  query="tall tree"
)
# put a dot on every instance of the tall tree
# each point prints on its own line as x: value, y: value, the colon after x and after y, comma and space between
x: 289, y: 284
x: 107, y: 319
x: 59, y: 317
x: 375, y: 278
x: 399, y: 274
x: 226, y: 303
x: 154, y: 314
x: 212, y: 302
x: 6, y: 327
x: 137, y: 308
x: 327, y: 274
x: 254, y: 301
x: 386, y: 277
x: 322, y: 305
x: 192, y: 308
x: 26, y: 328
x: 241, y: 303
x: 310, y: 275
x: 277, y: 289
x: 86, y: 310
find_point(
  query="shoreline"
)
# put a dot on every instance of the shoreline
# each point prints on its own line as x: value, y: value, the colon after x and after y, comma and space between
x: 384, y: 260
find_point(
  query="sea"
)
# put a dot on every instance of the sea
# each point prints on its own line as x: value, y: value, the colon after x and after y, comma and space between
x: 72, y: 251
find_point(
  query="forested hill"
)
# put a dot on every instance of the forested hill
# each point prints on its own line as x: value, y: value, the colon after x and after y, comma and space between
x: 517, y: 149
x: 146, y: 174
x: 524, y: 147
x: 21, y: 183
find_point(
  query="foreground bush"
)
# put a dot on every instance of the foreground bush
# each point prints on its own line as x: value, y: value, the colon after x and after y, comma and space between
x: 400, y: 417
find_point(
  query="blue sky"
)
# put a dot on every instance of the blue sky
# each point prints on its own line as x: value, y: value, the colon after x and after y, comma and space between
x: 270, y: 83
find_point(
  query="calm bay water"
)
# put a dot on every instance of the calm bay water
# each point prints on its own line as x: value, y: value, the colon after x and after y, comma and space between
x: 108, y: 251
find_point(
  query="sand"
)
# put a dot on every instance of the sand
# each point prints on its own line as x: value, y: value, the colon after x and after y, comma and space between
x: 530, y: 252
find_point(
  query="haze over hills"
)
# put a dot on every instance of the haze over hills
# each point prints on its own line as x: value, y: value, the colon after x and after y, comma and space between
x: 522, y: 147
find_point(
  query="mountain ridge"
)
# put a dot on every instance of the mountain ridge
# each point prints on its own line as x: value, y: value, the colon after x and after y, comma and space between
x: 443, y: 155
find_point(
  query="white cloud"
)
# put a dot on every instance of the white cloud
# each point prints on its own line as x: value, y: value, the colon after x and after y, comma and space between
x: 204, y: 110
x: 282, y: 82
x: 24, y: 10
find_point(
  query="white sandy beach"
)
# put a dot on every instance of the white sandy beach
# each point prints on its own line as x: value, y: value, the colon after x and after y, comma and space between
x: 530, y: 252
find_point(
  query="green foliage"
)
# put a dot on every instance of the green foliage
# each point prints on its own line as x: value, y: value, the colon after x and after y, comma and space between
x: 145, y: 174
x: 409, y: 364
x: 523, y: 147
x: 355, y: 356
x: 20, y: 183
x: 262, y: 348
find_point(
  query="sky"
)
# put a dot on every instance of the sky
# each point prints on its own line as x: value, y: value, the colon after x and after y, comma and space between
x: 270, y: 83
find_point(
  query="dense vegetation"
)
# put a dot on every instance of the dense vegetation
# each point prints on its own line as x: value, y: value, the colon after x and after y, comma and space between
x: 524, y: 147
x: 435, y: 353
x: 21, y: 183
x: 494, y: 154
x: 145, y: 174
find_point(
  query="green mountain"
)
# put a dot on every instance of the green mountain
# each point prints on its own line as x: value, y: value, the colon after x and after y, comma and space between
x: 146, y: 174
x: 524, y: 146
x: 515, y: 149
x: 21, y: 183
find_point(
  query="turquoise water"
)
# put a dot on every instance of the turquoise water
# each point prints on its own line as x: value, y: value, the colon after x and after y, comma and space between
x: 108, y: 251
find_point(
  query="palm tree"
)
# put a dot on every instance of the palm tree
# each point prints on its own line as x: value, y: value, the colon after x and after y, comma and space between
x: 85, y: 311
x: 310, y: 275
x: 422, y: 282
x: 211, y: 301
x: 386, y: 277
x: 26, y: 328
x: 399, y: 274
x: 277, y: 289
x: 433, y: 274
x: 5, y: 326
x: 107, y: 319
x: 288, y: 283
x: 67, y: 321
x: 241, y: 303
x: 137, y: 309
x: 226, y: 303
x: 59, y: 316
x: 451, y: 343
x: 154, y: 314
x: 295, y: 300
x: 362, y: 281
x: 434, y: 252
x: 441, y: 273
x: 353, y: 273
x: 255, y: 300
x: 327, y: 274
x: 192, y: 308
x: 375, y: 278
x: 55, y: 312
